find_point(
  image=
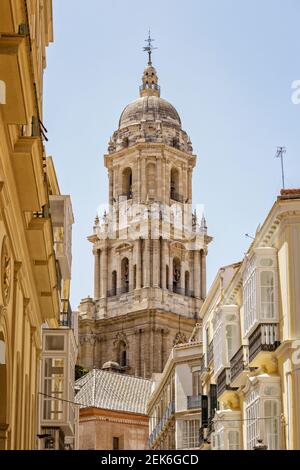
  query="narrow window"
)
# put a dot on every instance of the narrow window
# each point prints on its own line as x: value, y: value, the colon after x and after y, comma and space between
x: 116, y: 443
x: 187, y: 283
x: 125, y: 274
x: 114, y: 283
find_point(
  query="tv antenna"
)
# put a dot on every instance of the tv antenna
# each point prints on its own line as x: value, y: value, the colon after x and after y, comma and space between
x: 280, y: 152
x: 149, y: 48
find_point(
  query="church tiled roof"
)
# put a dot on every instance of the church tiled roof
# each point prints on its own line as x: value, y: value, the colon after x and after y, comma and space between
x: 114, y: 391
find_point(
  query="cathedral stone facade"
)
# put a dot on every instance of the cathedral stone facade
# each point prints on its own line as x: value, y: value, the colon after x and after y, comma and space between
x: 149, y: 249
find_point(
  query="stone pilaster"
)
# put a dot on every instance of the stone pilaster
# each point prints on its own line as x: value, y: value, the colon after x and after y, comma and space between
x: 197, y: 285
x: 96, y: 253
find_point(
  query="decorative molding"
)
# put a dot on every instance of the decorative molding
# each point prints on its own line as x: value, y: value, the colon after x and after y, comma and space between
x: 6, y: 271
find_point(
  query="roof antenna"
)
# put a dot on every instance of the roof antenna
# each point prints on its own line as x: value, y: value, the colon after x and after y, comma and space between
x: 149, y: 48
x: 279, y: 154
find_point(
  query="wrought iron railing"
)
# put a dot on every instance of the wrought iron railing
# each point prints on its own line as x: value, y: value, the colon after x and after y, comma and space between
x: 223, y: 381
x: 237, y: 363
x: 66, y: 315
x: 193, y: 401
x: 264, y: 338
x: 162, y: 423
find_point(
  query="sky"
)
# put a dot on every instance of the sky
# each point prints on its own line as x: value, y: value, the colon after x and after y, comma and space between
x: 228, y: 68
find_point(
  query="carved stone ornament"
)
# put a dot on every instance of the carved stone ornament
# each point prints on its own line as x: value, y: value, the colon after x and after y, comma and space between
x: 120, y: 337
x: 180, y: 338
x: 6, y: 271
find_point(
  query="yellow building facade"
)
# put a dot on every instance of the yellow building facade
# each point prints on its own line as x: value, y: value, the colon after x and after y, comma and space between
x: 30, y: 293
x: 250, y: 369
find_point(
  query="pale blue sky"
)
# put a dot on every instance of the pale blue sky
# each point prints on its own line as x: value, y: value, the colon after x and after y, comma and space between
x: 226, y: 65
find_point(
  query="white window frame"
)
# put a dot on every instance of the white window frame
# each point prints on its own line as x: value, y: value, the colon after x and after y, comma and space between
x: 264, y: 261
x: 257, y: 421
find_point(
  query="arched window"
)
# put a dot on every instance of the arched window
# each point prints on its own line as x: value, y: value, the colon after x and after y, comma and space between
x: 174, y: 189
x: 176, y: 275
x: 125, y: 275
x: 127, y: 183
x: 114, y: 283
x: 167, y: 277
x: 187, y: 283
x: 122, y: 354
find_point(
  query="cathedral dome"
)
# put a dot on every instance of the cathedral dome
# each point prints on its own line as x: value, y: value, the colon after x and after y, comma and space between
x: 150, y: 118
x: 149, y: 108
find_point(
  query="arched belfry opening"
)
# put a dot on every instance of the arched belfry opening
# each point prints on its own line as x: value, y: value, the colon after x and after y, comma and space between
x: 176, y: 275
x: 114, y: 283
x: 122, y: 354
x: 174, y: 185
x: 127, y: 183
x: 125, y: 274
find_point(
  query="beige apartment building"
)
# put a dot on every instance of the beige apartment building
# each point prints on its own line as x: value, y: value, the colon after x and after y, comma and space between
x: 174, y: 407
x: 34, y: 279
x: 251, y: 336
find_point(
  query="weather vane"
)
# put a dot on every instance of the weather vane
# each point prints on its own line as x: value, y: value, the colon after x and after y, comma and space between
x: 149, y: 48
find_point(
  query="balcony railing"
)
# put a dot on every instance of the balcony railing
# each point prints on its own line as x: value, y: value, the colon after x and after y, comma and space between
x: 183, y: 291
x: 150, y: 86
x: 223, y: 381
x: 264, y: 338
x: 193, y: 401
x: 210, y: 352
x: 118, y: 291
x: 66, y: 316
x: 127, y: 195
x: 237, y: 363
x: 161, y: 424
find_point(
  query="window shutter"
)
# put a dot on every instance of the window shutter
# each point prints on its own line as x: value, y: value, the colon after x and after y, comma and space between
x: 204, y: 409
x: 213, y: 400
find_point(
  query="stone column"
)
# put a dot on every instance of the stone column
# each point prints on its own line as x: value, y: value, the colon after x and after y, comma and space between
x: 104, y: 273
x: 189, y: 183
x: 203, y: 274
x: 197, y: 285
x: 156, y: 263
x: 119, y: 274
x: 146, y: 263
x: 170, y: 284
x: 159, y: 182
x: 131, y: 271
x: 96, y: 273
x: 182, y: 278
x: 164, y: 262
x: 143, y: 180
x: 138, y: 247
x: 111, y: 186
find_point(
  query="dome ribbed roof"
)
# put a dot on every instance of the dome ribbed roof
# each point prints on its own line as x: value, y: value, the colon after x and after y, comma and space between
x: 149, y: 108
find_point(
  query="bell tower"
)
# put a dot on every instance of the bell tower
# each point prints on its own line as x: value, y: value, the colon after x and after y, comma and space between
x: 149, y: 249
